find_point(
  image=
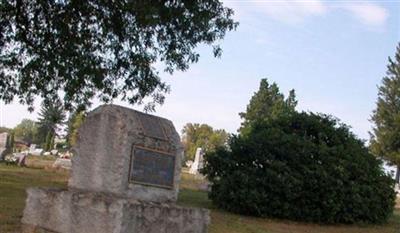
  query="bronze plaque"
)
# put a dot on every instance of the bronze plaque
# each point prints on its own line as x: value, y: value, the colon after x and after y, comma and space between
x: 152, y: 126
x: 150, y: 167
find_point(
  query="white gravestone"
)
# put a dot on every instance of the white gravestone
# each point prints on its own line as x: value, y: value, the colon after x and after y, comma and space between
x: 32, y: 148
x: 4, y: 145
x: 198, y: 162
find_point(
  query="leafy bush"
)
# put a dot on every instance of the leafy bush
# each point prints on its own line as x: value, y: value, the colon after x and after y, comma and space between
x: 301, y: 166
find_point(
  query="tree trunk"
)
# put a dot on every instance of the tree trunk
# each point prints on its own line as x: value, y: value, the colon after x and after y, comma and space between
x: 47, y: 146
x: 397, y: 179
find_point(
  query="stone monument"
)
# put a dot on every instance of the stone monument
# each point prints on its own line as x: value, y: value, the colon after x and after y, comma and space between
x: 125, y: 179
x: 198, y: 162
x: 32, y: 148
x: 4, y: 145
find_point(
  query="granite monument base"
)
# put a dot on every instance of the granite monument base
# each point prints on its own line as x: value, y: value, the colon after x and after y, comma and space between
x: 73, y: 211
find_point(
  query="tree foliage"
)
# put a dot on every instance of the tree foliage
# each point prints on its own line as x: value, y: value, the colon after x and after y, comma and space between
x: 74, y: 123
x: 385, y: 138
x: 51, y: 117
x: 5, y: 130
x: 102, y: 48
x: 202, y: 135
x: 301, y: 166
x: 267, y: 103
x: 27, y: 131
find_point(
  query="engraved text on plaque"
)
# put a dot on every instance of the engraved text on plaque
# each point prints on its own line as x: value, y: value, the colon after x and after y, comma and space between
x: 152, y: 167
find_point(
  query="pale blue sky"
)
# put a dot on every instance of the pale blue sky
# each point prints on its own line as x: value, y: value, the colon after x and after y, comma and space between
x: 333, y: 53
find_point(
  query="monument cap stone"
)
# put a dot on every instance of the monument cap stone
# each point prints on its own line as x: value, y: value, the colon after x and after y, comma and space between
x: 127, y: 153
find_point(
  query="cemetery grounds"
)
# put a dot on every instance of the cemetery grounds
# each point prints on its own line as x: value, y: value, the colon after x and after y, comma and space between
x: 14, y: 181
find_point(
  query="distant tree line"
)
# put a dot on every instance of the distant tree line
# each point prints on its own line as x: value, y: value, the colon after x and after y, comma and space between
x: 51, y: 124
x: 203, y: 136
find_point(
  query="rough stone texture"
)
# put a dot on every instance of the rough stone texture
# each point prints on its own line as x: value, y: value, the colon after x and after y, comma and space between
x: 62, y: 163
x: 61, y: 211
x: 117, y: 148
x: 102, y: 156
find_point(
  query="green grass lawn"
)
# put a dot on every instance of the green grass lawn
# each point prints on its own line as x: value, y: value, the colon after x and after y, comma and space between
x: 14, y: 181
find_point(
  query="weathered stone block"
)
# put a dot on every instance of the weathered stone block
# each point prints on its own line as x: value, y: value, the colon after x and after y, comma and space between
x: 125, y: 179
x: 127, y: 153
x: 62, y: 211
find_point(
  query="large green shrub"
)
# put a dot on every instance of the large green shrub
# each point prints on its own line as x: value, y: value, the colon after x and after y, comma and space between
x: 301, y: 166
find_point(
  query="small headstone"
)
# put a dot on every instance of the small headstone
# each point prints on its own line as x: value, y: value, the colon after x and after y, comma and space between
x: 32, y: 148
x: 21, y: 158
x: 198, y: 162
x: 189, y: 163
x: 47, y: 153
x: 4, y: 145
x: 125, y: 179
x: 36, y: 152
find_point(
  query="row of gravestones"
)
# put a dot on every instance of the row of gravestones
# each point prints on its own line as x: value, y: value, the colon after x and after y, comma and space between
x: 125, y: 178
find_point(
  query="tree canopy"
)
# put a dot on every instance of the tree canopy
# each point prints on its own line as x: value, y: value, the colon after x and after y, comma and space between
x: 5, y: 130
x: 267, y: 103
x: 74, y: 123
x: 297, y: 165
x: 76, y: 51
x: 385, y: 137
x: 301, y: 166
x: 27, y: 131
x: 51, y: 117
x: 204, y: 136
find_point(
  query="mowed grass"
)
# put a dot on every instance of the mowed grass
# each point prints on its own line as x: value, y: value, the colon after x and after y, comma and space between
x: 14, y: 180
x: 13, y: 183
